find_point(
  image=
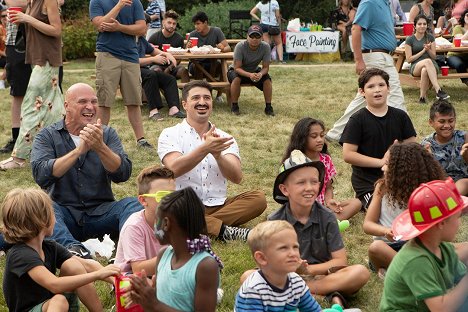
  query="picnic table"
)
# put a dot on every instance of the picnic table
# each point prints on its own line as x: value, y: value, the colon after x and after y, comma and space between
x: 407, y: 79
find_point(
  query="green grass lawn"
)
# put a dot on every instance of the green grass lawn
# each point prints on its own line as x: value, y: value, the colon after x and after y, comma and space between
x: 321, y: 91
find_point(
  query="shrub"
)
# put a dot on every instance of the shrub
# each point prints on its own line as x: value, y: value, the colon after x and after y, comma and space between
x: 74, y: 9
x: 79, y: 38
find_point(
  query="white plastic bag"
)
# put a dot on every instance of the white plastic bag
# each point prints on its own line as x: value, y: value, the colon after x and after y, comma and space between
x: 294, y: 25
x: 104, y: 248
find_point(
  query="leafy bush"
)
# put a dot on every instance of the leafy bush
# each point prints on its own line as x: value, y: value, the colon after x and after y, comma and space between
x: 74, y: 9
x: 79, y: 38
x: 218, y: 14
x: 306, y: 10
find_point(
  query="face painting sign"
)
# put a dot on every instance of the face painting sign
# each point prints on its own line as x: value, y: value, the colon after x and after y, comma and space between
x: 312, y: 42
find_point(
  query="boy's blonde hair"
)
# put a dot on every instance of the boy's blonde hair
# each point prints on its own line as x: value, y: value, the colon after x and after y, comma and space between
x: 260, y: 235
x: 24, y: 214
x: 149, y: 174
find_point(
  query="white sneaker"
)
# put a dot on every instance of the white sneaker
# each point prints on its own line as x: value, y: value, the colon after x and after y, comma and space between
x: 2, y: 84
x: 219, y: 99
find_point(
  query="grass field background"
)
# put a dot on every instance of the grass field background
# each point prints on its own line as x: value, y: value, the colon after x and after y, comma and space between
x: 317, y: 90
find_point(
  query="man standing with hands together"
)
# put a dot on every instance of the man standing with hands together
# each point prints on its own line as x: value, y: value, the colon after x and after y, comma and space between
x: 119, y: 24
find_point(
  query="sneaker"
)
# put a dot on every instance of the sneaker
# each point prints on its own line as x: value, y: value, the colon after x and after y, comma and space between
x: 331, y: 139
x: 144, y: 144
x: 219, y: 100
x: 422, y: 100
x: 179, y: 114
x: 441, y: 95
x: 2, y: 84
x: 235, y: 233
x: 235, y: 109
x: 269, y: 110
x: 156, y: 117
x: 80, y: 251
x: 8, y: 148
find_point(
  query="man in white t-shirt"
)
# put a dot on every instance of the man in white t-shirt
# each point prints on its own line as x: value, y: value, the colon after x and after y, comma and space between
x: 204, y: 158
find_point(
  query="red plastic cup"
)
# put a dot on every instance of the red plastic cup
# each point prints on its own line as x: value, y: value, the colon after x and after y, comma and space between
x: 445, y: 70
x: 194, y: 41
x: 457, y: 42
x: 408, y: 28
x: 187, y: 36
x: 13, y: 9
x: 166, y: 46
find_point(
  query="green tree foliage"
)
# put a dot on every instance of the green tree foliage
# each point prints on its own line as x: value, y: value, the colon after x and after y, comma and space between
x: 79, y: 38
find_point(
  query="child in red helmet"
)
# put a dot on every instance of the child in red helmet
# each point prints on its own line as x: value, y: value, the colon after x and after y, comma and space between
x: 427, y: 275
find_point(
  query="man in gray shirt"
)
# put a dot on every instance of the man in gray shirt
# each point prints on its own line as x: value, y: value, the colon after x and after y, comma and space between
x: 245, y: 70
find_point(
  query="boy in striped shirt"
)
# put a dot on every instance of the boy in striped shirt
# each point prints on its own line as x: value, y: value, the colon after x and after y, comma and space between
x: 275, y: 286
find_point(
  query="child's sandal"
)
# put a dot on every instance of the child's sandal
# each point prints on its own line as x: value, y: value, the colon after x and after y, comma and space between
x: 336, y: 297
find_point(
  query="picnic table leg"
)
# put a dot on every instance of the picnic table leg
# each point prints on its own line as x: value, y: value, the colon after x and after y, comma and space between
x: 224, y: 70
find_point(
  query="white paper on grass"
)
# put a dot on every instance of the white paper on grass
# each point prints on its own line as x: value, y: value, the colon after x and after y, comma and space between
x: 104, y: 248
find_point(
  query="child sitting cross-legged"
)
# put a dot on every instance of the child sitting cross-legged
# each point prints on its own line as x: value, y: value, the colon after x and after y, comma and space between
x: 308, y: 136
x: 448, y: 145
x: 187, y: 274
x: 29, y: 280
x: 138, y: 247
x: 275, y: 286
x: 297, y: 186
x: 408, y: 165
x: 426, y: 274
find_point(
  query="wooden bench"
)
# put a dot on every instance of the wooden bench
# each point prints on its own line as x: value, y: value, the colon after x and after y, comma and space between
x: 219, y: 85
x: 409, y: 80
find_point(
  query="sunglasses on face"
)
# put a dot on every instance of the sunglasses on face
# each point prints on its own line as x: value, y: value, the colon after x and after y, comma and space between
x: 158, y: 196
x: 255, y: 36
x: 3, y: 16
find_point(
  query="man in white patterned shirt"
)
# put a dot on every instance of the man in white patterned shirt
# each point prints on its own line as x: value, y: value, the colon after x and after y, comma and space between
x: 204, y: 158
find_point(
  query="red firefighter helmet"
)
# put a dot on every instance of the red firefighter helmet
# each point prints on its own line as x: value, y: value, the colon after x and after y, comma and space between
x: 428, y: 205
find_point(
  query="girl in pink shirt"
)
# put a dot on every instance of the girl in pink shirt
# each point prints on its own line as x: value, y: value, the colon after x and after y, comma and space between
x: 308, y: 136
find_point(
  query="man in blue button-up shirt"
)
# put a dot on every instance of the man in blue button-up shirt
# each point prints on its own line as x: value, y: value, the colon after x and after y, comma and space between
x: 76, y: 160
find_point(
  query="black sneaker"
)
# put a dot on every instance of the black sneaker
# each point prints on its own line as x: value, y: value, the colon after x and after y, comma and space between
x: 8, y: 148
x: 441, y: 95
x: 144, y: 144
x: 235, y: 109
x: 80, y: 251
x: 179, y: 114
x: 235, y: 233
x: 422, y: 100
x: 269, y: 110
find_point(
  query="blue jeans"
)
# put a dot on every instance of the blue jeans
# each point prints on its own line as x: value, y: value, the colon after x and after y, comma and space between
x: 460, y: 63
x: 74, y: 226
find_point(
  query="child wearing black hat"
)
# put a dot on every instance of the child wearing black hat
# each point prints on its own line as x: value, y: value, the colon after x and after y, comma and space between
x: 321, y: 247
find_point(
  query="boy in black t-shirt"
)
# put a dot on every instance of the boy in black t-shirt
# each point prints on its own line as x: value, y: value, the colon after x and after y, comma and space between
x: 370, y: 132
x: 29, y: 280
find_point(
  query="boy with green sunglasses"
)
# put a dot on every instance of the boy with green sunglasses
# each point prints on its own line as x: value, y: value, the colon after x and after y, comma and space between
x: 138, y: 247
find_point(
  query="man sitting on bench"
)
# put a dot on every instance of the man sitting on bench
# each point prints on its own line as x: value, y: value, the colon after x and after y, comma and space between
x: 245, y: 70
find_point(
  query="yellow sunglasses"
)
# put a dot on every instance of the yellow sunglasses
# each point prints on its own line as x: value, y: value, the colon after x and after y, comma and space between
x: 158, y: 196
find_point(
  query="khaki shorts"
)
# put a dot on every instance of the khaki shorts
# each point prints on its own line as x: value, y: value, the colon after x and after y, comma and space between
x: 112, y: 72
